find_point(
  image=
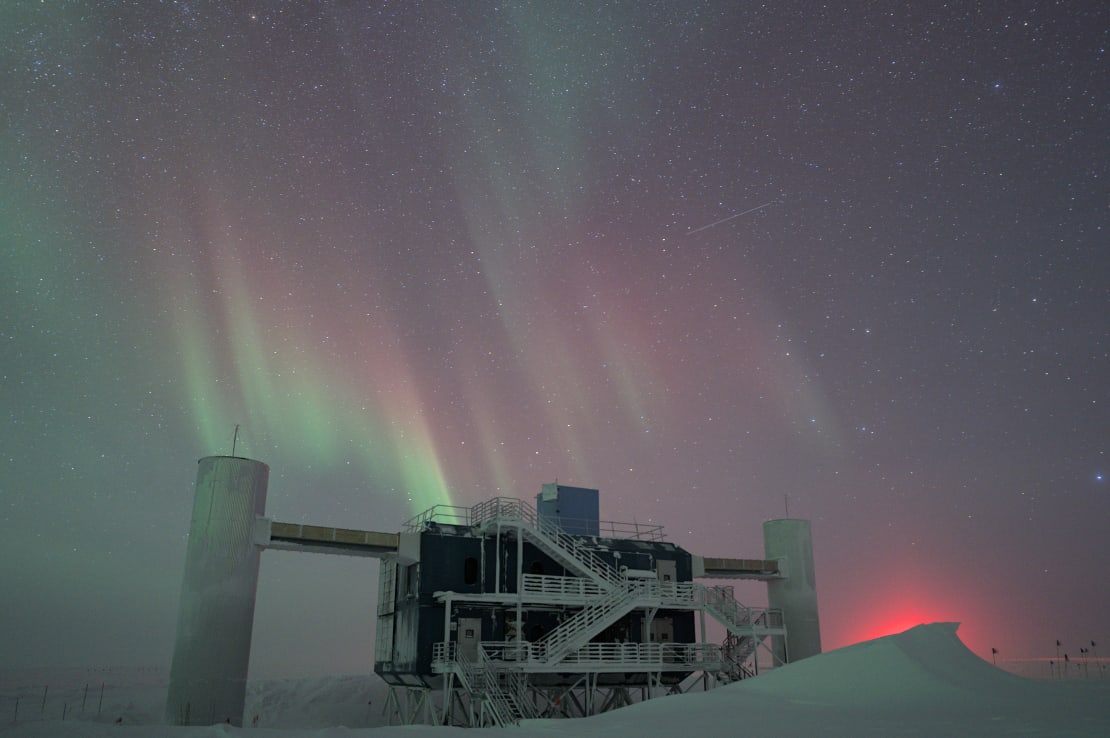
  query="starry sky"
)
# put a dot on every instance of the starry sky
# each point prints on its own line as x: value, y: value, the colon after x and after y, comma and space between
x: 724, y: 261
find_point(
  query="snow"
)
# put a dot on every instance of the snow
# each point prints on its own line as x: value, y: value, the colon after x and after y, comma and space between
x: 923, y: 682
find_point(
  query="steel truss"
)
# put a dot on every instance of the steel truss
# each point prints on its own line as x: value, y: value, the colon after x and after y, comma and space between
x: 565, y: 673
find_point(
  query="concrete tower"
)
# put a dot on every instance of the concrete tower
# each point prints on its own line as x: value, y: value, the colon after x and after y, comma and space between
x: 789, y: 540
x: 208, y: 678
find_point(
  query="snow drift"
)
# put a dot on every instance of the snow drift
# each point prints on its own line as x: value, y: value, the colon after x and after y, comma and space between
x: 923, y: 682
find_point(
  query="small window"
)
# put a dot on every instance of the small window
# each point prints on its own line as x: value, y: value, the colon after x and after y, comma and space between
x: 470, y: 570
x: 407, y: 581
x: 469, y: 633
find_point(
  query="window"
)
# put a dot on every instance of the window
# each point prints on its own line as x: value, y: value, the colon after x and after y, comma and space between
x: 470, y: 570
x: 407, y: 582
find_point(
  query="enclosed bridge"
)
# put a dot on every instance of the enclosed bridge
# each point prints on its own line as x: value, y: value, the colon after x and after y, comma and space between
x: 509, y: 610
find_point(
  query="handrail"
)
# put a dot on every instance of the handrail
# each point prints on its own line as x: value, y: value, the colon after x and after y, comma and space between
x: 511, y: 656
x: 479, y: 680
x: 734, y: 654
x: 474, y: 675
x: 443, y: 652
x: 507, y: 704
x: 583, y: 624
x: 508, y: 509
x: 449, y: 514
x: 508, y: 652
x: 571, y: 587
x: 518, y: 683
x: 460, y: 515
x: 579, y: 552
x: 689, y: 655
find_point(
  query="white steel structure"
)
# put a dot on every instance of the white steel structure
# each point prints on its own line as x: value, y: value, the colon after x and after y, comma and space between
x: 567, y: 672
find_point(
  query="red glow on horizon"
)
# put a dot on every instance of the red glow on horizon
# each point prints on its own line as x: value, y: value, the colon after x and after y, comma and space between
x: 908, y: 588
x: 880, y: 627
x: 890, y: 618
x: 917, y: 601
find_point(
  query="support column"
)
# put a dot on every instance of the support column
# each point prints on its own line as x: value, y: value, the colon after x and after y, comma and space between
x: 208, y: 678
x: 796, y: 595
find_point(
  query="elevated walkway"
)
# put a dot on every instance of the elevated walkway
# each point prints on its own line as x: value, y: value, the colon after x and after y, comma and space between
x: 322, y: 539
x: 706, y: 567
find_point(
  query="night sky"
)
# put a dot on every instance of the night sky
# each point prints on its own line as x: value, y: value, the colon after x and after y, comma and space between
x: 719, y: 260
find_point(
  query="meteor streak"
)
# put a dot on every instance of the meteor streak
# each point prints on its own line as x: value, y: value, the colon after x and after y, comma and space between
x: 725, y: 220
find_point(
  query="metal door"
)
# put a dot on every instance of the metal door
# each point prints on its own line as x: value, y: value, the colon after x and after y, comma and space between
x: 667, y: 572
x: 662, y: 633
x: 662, y: 630
x: 470, y: 633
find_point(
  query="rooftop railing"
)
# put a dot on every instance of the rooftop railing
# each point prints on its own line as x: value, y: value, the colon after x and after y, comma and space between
x: 512, y: 508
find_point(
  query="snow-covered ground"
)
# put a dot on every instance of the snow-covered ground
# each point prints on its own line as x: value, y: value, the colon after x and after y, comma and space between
x: 923, y: 682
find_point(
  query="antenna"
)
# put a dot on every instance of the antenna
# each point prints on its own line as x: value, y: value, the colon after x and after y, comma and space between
x: 234, y: 439
x: 785, y: 498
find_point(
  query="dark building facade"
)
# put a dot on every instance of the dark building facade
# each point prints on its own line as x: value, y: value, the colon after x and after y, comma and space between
x: 486, y: 574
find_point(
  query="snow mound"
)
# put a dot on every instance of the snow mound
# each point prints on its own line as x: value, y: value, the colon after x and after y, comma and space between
x: 920, y: 668
x: 923, y: 682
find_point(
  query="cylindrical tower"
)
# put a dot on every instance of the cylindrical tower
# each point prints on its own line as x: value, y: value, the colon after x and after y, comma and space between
x: 208, y: 678
x: 796, y: 594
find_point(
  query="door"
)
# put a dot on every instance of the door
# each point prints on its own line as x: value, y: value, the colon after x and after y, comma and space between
x: 470, y: 633
x: 667, y: 572
x: 662, y: 632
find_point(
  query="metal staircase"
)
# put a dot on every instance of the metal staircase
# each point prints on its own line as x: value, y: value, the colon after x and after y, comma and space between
x: 741, y: 643
x: 580, y: 628
x: 482, y: 683
x: 547, y: 536
x: 505, y: 681
x: 498, y: 680
x: 735, y: 652
x: 508, y: 687
x: 719, y: 602
x: 620, y: 595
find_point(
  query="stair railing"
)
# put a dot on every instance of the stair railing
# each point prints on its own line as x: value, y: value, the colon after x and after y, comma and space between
x: 548, y: 533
